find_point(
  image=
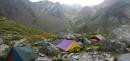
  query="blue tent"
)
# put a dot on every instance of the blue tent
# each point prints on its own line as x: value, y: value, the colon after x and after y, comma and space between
x: 21, y: 54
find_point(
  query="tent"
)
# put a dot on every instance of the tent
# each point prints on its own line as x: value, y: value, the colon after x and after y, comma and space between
x: 67, y: 45
x: 56, y: 42
x: 21, y: 54
x: 98, y: 37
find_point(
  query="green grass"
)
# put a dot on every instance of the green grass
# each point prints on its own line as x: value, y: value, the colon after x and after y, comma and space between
x: 12, y: 27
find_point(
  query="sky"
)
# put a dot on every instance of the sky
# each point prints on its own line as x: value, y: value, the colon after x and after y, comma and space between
x: 79, y: 2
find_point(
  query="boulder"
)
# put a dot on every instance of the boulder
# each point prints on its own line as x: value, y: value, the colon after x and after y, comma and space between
x: 3, y: 50
x: 1, y: 41
x: 49, y: 49
x: 124, y: 57
x: 114, y: 45
x: 21, y: 43
x: 121, y: 34
x: 70, y: 36
x: 119, y: 39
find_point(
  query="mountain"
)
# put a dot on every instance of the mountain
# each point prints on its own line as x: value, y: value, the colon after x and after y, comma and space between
x: 56, y: 17
x: 84, y: 16
x: 18, y: 10
x: 106, y: 16
x: 50, y: 16
x: 47, y: 7
x: 44, y: 15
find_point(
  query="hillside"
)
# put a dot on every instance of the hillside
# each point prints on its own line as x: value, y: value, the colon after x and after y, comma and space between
x: 13, y: 28
x: 18, y: 10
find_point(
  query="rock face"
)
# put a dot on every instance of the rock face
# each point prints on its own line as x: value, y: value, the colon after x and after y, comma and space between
x: 119, y: 39
x: 124, y: 57
x: 18, y: 10
x: 122, y: 34
x: 50, y: 16
x: 107, y: 16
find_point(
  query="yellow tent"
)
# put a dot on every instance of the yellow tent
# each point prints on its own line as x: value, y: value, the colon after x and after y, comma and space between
x: 69, y: 45
x: 73, y: 45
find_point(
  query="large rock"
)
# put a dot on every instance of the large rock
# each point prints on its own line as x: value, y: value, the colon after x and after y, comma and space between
x: 3, y: 50
x: 122, y: 34
x: 49, y: 49
x: 124, y: 57
x: 21, y: 43
x: 119, y: 39
x: 114, y: 45
x: 1, y: 41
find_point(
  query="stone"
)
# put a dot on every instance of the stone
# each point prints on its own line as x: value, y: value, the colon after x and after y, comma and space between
x: 1, y: 41
x: 124, y: 57
x: 96, y: 56
x: 49, y: 49
x: 21, y: 43
x: 43, y: 59
x: 122, y: 34
x: 114, y: 45
x: 119, y: 39
x: 3, y: 50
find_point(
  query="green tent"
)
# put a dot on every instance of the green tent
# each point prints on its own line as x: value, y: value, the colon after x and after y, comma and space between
x: 21, y: 54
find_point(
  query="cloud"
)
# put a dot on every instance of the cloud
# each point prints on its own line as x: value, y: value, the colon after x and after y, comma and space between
x: 80, y: 2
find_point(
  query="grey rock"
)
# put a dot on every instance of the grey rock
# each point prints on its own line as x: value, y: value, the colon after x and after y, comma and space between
x: 124, y: 57
x: 114, y: 45
x: 122, y: 34
x: 119, y: 39
x: 49, y: 49
x: 1, y: 41
x: 3, y: 50
x: 21, y: 43
x: 96, y: 56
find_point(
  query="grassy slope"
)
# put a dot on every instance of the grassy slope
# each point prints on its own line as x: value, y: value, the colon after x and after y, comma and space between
x: 11, y: 27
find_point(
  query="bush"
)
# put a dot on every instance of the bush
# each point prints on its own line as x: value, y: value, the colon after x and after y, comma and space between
x: 47, y: 35
x: 35, y: 38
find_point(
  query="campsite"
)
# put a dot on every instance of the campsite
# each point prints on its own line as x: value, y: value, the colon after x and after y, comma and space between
x: 47, y: 46
x: 69, y: 48
x: 64, y: 30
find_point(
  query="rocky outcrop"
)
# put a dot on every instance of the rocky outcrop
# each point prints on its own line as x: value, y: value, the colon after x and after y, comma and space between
x: 122, y: 34
x: 124, y: 57
x: 50, y: 16
x: 119, y: 39
x: 108, y: 15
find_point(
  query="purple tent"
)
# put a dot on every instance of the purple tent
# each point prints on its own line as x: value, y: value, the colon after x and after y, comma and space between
x: 64, y: 44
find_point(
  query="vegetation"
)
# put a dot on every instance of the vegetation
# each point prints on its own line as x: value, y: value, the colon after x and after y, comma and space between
x: 11, y: 27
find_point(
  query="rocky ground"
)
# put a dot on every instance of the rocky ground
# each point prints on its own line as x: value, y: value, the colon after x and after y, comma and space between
x: 114, y: 47
x: 92, y: 56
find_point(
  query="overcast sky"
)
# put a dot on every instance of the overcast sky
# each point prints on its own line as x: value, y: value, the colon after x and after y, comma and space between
x: 79, y: 2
